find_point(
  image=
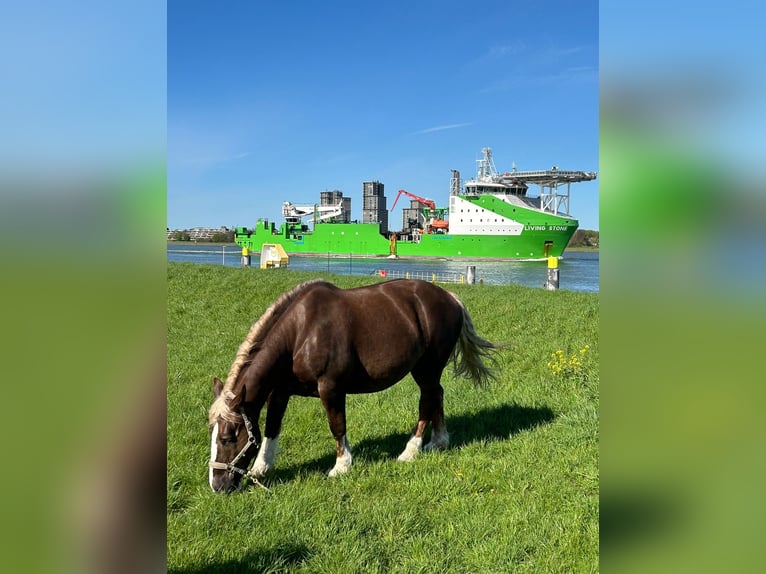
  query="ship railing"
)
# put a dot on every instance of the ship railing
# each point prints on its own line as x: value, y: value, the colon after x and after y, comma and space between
x: 423, y: 275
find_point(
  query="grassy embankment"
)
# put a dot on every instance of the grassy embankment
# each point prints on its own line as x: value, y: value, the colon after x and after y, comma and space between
x: 517, y: 491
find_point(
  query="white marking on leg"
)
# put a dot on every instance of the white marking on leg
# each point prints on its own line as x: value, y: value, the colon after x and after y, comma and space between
x: 213, y: 451
x: 439, y: 440
x: 343, y: 462
x: 411, y: 450
x: 266, y: 456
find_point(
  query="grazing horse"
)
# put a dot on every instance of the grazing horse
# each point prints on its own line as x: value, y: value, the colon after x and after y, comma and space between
x: 321, y: 341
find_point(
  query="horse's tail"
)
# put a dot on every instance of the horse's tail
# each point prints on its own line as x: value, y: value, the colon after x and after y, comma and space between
x: 472, y: 352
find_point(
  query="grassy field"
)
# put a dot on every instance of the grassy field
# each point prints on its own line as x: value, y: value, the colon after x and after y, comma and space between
x: 516, y: 492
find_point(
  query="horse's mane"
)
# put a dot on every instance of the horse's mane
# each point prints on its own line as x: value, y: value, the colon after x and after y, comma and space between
x: 245, y: 351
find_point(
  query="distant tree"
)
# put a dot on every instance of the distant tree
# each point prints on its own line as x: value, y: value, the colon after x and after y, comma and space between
x: 223, y: 237
x: 591, y: 238
x: 181, y: 236
x: 584, y: 238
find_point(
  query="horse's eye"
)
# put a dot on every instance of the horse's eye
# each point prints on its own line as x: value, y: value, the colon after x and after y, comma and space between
x: 228, y: 439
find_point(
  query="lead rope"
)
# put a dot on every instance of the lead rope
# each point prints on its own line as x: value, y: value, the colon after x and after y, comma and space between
x: 257, y: 482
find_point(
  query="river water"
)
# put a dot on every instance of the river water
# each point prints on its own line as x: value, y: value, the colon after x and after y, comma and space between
x: 578, y: 271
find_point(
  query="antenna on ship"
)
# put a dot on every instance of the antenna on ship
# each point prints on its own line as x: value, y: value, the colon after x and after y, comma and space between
x: 486, y: 164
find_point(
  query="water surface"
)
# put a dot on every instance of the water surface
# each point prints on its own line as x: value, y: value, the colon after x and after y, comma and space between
x: 578, y: 271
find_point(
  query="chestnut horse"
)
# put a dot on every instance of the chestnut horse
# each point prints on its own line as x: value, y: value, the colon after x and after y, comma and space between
x: 321, y: 341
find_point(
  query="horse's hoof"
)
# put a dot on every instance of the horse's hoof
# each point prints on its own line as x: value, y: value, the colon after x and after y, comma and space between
x: 407, y: 456
x: 411, y: 450
x: 342, y: 466
x: 438, y: 442
x: 259, y: 470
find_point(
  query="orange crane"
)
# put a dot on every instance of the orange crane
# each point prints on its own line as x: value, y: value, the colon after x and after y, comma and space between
x: 427, y: 202
x: 434, y: 223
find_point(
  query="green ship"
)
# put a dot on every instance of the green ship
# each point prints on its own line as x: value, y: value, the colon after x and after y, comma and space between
x: 488, y: 217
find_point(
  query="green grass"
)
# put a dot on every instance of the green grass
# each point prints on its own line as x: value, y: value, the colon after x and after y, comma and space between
x: 516, y: 492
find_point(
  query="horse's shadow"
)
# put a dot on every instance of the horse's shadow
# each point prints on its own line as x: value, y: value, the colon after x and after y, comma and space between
x: 495, y: 423
x: 281, y: 558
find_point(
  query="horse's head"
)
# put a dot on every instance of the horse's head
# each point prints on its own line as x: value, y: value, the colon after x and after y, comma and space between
x: 234, y: 439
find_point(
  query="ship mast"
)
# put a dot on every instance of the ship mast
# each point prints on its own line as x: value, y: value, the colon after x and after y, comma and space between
x: 486, y: 169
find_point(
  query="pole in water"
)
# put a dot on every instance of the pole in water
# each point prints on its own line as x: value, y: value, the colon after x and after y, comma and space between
x: 470, y: 274
x: 552, y: 281
x: 245, y: 257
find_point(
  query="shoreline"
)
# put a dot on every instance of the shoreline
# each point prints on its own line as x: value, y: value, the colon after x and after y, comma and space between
x: 582, y: 249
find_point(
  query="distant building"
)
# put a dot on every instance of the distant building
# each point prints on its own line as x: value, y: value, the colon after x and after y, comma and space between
x: 197, y: 233
x: 334, y: 198
x: 374, y: 205
x: 412, y: 217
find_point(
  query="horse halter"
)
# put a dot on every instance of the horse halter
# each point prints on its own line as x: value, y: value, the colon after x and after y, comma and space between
x: 231, y: 466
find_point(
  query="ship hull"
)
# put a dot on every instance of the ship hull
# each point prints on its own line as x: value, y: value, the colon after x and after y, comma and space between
x: 536, y: 241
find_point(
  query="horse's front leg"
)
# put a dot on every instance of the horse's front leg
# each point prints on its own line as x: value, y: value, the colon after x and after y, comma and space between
x: 275, y: 412
x: 335, y: 406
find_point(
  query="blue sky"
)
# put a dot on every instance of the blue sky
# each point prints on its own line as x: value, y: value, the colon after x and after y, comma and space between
x: 278, y: 101
x: 83, y: 86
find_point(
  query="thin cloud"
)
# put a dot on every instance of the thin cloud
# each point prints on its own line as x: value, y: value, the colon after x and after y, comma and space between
x: 441, y: 128
x: 561, y: 52
x: 499, y: 52
x: 566, y: 77
x: 505, y: 50
x: 209, y: 161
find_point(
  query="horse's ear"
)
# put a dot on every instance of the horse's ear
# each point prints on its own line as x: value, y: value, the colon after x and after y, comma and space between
x: 234, y: 401
x: 217, y: 386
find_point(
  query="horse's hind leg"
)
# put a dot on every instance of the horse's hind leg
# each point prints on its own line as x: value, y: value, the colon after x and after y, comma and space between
x: 431, y: 409
x: 439, y: 435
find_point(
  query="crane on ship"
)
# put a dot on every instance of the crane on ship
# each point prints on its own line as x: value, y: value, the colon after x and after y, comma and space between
x: 427, y: 202
x: 432, y: 214
x: 293, y: 213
